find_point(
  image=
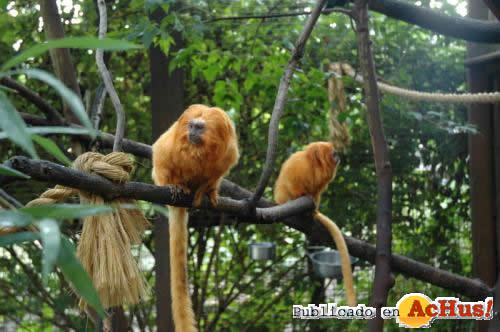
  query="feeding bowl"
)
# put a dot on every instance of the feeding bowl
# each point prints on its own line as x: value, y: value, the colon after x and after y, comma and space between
x: 326, y: 264
x: 313, y: 249
x: 262, y: 250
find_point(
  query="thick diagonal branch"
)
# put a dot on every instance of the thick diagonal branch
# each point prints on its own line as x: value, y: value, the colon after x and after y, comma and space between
x: 52, y: 114
x: 279, y: 103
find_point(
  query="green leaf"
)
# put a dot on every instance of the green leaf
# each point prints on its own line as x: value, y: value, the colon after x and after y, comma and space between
x: 77, y: 276
x: 68, y: 96
x: 51, y: 147
x: 3, y: 4
x: 51, y: 240
x: 5, y: 170
x: 14, y: 126
x: 17, y: 238
x: 65, y: 211
x: 14, y: 218
x: 70, y: 42
x: 57, y: 130
x: 61, y: 130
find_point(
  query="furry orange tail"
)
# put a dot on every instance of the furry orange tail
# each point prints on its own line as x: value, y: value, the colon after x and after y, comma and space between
x: 182, y: 308
x: 338, y: 238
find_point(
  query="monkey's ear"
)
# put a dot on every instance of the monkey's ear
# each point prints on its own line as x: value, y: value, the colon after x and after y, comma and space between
x: 318, y: 154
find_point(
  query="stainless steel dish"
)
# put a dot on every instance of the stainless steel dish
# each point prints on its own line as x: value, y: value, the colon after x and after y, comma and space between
x: 262, y: 250
x: 326, y: 264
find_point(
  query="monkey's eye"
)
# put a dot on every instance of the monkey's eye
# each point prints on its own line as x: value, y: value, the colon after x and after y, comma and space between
x: 196, y: 124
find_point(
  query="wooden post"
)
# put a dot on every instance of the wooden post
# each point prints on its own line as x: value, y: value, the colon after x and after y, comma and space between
x: 167, y: 102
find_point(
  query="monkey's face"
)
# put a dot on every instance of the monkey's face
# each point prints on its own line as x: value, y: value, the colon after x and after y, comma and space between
x: 196, y: 127
x: 204, y: 127
x: 336, y: 157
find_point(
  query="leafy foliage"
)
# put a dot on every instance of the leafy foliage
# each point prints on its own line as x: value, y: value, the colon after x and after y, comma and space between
x: 237, y: 65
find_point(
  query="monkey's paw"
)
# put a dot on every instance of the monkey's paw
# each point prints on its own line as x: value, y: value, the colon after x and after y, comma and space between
x: 181, y: 189
x: 214, y: 198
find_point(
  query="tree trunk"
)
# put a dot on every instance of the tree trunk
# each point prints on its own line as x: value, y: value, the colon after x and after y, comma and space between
x: 167, y: 100
x: 483, y: 165
x: 61, y: 59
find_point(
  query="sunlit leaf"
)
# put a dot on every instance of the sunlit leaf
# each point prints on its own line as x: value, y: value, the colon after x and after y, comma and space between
x: 57, y: 130
x: 75, y: 273
x: 14, y: 218
x: 51, y: 147
x: 65, y: 211
x: 18, y: 238
x: 70, y: 42
x: 14, y: 127
x: 5, y: 170
x: 51, y: 240
x: 61, y: 130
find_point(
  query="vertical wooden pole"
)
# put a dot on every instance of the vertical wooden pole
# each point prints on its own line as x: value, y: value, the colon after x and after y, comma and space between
x: 167, y: 101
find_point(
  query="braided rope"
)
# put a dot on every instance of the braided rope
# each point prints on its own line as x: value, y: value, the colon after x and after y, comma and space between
x: 53, y: 195
x: 464, y: 98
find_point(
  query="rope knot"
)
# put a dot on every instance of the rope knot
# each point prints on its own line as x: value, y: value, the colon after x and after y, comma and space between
x: 115, y: 166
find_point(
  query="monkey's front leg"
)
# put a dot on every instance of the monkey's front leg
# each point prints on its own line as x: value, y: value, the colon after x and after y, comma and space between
x: 210, y: 189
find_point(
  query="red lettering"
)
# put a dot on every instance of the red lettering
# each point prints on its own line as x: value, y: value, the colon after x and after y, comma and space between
x: 429, y: 312
x: 464, y: 310
x: 487, y: 313
x: 450, y: 307
x: 416, y: 306
x: 478, y: 310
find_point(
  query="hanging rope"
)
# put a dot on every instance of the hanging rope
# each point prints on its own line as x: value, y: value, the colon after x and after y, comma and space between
x: 464, y: 98
x: 339, y: 134
x: 105, y: 243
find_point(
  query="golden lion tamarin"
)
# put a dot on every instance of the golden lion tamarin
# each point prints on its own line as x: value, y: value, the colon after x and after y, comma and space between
x: 309, y: 172
x: 193, y: 154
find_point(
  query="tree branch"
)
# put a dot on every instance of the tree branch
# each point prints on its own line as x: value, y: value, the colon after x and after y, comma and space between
x: 49, y: 172
x: 106, y: 77
x: 61, y: 57
x: 383, y: 277
x: 454, y: 26
x: 14, y: 203
x: 96, y: 110
x: 52, y: 114
x: 276, y: 15
x: 273, y: 135
x: 474, y: 289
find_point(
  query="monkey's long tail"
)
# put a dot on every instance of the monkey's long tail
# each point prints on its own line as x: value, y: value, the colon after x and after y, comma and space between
x: 345, y: 260
x: 182, y: 307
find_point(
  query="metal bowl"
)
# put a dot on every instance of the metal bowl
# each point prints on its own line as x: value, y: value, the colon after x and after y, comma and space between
x: 313, y: 249
x: 326, y: 264
x: 262, y: 250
